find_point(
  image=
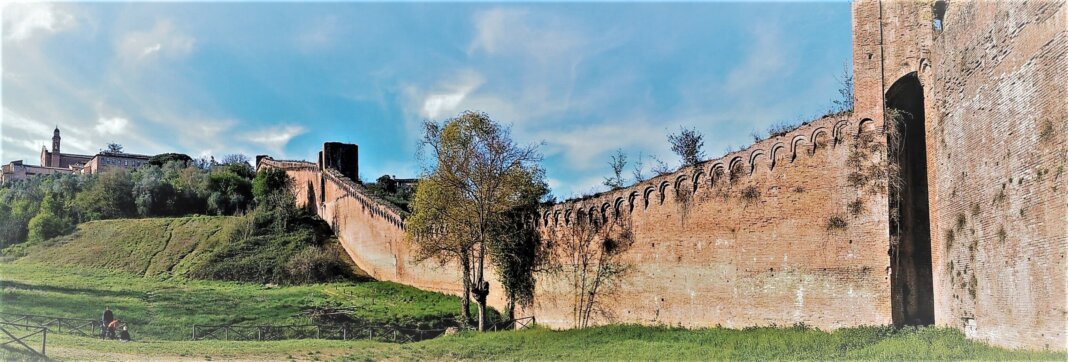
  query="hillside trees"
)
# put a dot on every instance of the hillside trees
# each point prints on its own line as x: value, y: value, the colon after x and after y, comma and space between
x: 474, y: 176
x: 110, y: 197
x: 230, y: 192
x: 176, y: 188
x: 49, y: 221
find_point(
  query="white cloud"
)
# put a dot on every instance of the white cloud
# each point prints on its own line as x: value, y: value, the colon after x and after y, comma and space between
x: 275, y: 138
x: 587, y: 148
x: 151, y: 49
x: 512, y: 31
x: 23, y: 20
x: 446, y: 101
x: 320, y: 34
x: 111, y: 126
x: 163, y: 41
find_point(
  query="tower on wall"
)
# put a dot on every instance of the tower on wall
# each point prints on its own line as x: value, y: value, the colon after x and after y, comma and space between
x: 891, y: 46
x: 343, y: 157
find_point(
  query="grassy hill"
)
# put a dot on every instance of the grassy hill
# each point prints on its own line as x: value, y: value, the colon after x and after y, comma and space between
x: 166, y: 309
x: 145, y: 247
x: 165, y: 275
x: 200, y: 247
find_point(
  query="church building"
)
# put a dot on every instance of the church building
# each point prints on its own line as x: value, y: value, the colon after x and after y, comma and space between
x: 55, y: 161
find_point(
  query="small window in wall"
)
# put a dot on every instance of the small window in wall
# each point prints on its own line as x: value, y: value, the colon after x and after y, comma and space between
x: 939, y: 14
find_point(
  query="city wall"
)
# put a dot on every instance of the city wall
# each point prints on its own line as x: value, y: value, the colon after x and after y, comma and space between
x: 739, y: 241
x: 800, y: 228
x: 370, y: 230
x: 747, y: 239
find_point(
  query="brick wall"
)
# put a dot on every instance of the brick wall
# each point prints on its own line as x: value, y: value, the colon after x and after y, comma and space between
x: 704, y: 255
x: 713, y: 256
x: 995, y: 81
x: 370, y: 230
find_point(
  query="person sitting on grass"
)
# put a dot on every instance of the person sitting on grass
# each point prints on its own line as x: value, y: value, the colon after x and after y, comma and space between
x: 112, y: 327
x: 125, y: 334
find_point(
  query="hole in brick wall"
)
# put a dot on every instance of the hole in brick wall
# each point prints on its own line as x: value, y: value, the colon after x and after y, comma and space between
x: 938, y: 10
x: 912, y: 289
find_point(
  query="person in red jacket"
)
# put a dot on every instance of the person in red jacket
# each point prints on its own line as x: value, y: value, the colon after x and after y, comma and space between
x: 112, y: 327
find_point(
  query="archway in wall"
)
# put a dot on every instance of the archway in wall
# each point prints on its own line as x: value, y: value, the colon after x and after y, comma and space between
x: 912, y: 287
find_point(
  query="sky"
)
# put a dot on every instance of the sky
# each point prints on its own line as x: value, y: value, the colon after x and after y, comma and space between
x: 579, y: 80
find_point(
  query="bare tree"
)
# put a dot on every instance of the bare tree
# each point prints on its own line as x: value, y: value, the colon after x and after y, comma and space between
x: 618, y: 163
x: 235, y: 159
x: 846, y: 100
x: 660, y: 167
x: 639, y: 172
x: 687, y: 144
x: 589, y: 252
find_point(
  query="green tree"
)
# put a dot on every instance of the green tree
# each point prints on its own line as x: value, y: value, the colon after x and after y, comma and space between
x: 687, y: 144
x: 268, y: 181
x: 239, y: 164
x: 47, y: 224
x: 162, y: 159
x: 113, y: 148
x: 110, y: 197
x: 153, y: 195
x: 474, y: 175
x: 230, y: 193
x: 517, y: 250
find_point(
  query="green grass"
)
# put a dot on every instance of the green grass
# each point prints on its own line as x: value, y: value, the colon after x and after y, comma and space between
x: 144, y: 281
x: 161, y: 311
x: 149, y: 247
x: 166, y: 309
x: 660, y: 343
x: 200, y: 247
x: 625, y: 342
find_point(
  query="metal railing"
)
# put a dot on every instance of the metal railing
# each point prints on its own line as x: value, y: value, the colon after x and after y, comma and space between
x: 77, y: 326
x: 10, y: 337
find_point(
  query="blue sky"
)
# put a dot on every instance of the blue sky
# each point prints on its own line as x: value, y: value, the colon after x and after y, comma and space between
x: 580, y: 79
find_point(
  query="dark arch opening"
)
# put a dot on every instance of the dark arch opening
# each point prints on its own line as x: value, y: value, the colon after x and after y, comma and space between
x: 912, y: 287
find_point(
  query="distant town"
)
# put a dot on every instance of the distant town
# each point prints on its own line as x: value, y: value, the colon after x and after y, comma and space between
x: 55, y: 161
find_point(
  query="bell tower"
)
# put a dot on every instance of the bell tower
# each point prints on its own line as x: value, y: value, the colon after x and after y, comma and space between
x: 55, y: 148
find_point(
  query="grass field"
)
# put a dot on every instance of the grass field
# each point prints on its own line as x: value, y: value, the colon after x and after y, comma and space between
x: 602, y: 343
x: 160, y: 308
x: 166, y: 309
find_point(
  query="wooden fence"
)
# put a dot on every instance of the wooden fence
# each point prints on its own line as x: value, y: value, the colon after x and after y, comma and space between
x: 342, y: 332
x: 11, y: 336
x: 518, y: 323
x: 77, y: 326
x: 309, y: 331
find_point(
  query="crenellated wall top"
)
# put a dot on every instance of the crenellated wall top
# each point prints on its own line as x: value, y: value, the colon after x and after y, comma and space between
x: 832, y: 128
